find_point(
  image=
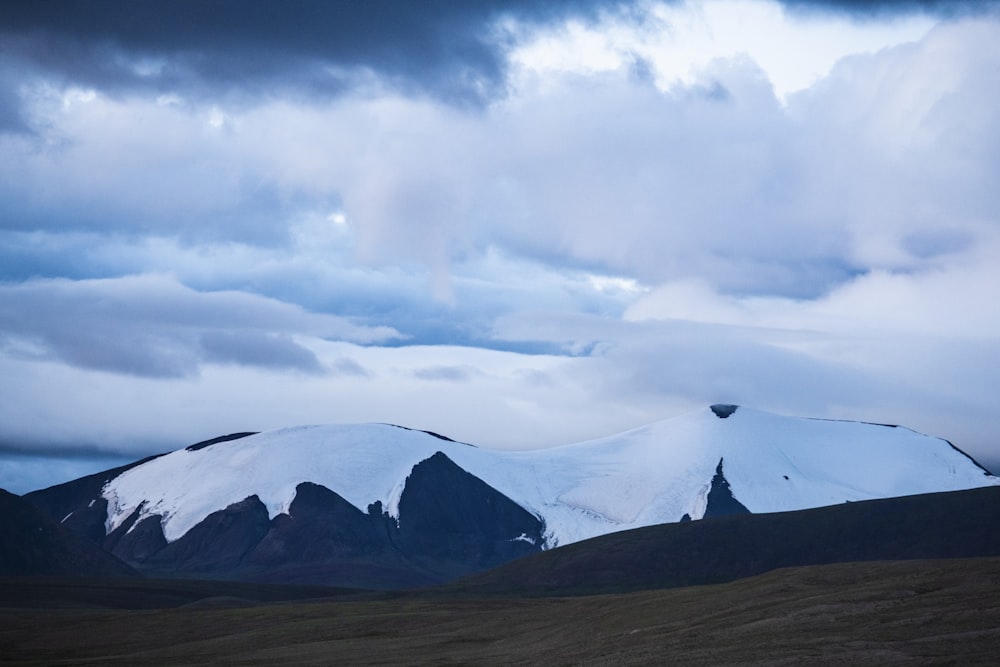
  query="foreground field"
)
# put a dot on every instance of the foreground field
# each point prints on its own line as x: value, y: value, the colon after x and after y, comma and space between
x: 916, y: 612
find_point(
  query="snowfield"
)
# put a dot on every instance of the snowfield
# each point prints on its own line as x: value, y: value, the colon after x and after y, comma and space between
x: 649, y: 475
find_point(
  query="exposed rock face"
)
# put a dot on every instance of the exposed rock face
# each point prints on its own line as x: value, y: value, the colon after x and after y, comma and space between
x: 215, y: 441
x: 88, y: 521
x: 135, y: 542
x: 723, y: 410
x: 721, y: 501
x: 320, y: 525
x: 218, y: 544
x: 455, y: 523
x: 324, y: 538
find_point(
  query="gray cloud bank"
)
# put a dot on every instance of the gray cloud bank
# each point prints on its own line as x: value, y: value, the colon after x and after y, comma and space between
x: 264, y: 218
x: 453, y: 50
x: 448, y: 49
x: 615, y: 176
x: 151, y: 326
x: 882, y: 8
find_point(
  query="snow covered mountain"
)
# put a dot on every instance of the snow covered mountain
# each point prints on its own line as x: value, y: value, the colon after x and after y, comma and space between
x: 390, y: 505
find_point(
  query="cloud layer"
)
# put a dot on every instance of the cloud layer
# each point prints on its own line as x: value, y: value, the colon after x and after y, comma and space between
x: 517, y: 224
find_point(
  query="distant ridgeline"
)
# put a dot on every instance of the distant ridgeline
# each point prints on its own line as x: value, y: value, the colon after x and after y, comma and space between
x: 378, y: 506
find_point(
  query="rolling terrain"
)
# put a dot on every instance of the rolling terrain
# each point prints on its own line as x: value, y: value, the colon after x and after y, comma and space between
x: 958, y: 524
x: 886, y: 613
x: 626, y: 597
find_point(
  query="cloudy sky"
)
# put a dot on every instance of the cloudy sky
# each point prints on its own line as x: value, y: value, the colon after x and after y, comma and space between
x: 519, y: 224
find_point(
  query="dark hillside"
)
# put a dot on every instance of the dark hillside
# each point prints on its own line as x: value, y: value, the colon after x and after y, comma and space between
x: 958, y: 524
x: 32, y: 544
x: 78, y: 504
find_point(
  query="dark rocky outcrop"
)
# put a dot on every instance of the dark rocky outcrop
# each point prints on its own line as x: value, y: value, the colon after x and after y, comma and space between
x: 215, y: 441
x: 323, y: 538
x: 723, y: 410
x: 430, y: 433
x: 320, y: 525
x: 454, y: 523
x: 217, y: 544
x: 135, y: 542
x: 721, y: 501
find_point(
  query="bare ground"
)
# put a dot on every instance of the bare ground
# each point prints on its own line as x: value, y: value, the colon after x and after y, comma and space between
x: 908, y: 612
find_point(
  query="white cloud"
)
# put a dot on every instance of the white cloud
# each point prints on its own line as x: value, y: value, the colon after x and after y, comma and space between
x: 878, y: 166
x: 951, y: 301
x: 680, y: 41
x: 655, y: 201
x: 485, y: 397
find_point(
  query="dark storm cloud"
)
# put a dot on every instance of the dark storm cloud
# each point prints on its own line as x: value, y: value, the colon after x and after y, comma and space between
x: 253, y: 348
x: 11, y: 115
x: 834, y: 246
x: 443, y: 47
x: 154, y: 327
x: 878, y: 8
x: 47, y: 450
x: 451, y: 49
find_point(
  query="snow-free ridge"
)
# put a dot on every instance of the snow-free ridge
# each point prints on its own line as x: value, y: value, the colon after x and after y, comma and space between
x: 649, y: 475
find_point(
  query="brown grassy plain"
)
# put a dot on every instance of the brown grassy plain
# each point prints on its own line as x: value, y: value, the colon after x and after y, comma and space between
x: 905, y: 612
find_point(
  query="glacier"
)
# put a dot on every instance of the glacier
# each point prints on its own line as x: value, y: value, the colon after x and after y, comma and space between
x: 649, y: 475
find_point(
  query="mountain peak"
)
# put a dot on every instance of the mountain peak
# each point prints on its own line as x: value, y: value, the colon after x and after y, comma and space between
x: 649, y: 475
x: 692, y: 465
x: 723, y: 410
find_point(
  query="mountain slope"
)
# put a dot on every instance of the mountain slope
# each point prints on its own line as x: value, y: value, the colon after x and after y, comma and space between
x: 650, y: 475
x: 410, y: 507
x: 33, y: 544
x: 957, y: 524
